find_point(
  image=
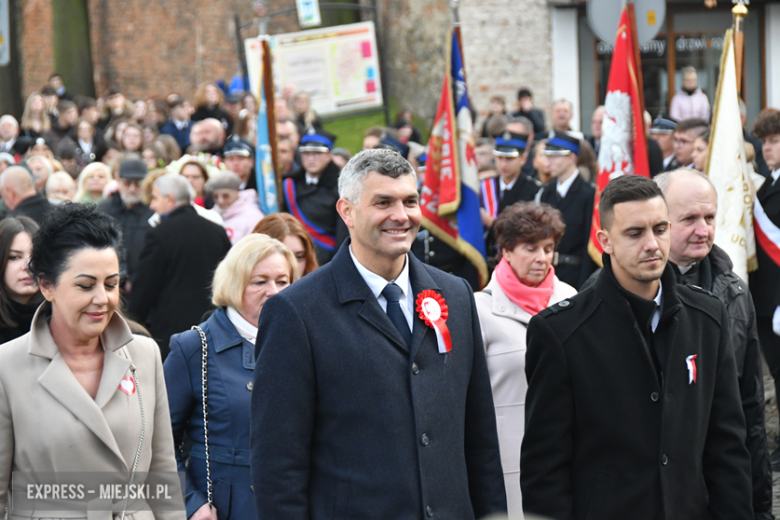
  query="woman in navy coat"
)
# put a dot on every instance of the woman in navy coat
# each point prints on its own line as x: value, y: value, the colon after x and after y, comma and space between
x: 255, y: 269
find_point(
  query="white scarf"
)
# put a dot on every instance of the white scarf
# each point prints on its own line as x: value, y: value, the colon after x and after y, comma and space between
x: 244, y: 328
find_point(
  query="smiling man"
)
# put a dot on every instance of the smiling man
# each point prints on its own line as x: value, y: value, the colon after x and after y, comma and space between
x: 633, y: 409
x: 361, y: 408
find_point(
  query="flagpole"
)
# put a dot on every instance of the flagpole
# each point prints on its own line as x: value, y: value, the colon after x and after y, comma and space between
x: 268, y: 87
x: 455, y: 5
x: 739, y: 11
x: 638, y: 61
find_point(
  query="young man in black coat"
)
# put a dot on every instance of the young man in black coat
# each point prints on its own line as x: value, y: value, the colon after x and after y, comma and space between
x: 633, y: 409
x: 359, y: 410
x: 573, y: 196
x: 696, y: 260
x: 172, y: 285
x: 311, y: 192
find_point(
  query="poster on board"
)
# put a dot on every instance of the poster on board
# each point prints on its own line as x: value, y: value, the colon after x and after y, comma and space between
x: 337, y: 66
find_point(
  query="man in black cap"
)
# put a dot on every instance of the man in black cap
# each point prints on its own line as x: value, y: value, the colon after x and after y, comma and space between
x: 510, y: 186
x: 662, y: 132
x: 239, y: 158
x: 133, y: 215
x: 311, y: 193
x: 573, y: 196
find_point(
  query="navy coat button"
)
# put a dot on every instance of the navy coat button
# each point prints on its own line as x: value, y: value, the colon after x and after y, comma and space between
x: 429, y: 511
x: 415, y: 369
x: 654, y: 396
x: 424, y: 440
x: 250, y: 385
x: 664, y: 460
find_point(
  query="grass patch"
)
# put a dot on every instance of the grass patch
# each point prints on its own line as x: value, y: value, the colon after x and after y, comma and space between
x: 350, y: 130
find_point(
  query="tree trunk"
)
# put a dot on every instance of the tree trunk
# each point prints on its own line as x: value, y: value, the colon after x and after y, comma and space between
x: 72, y: 49
x: 11, y: 75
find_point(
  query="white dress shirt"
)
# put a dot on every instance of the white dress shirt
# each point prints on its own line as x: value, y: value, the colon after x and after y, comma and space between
x: 657, y: 312
x: 563, y: 187
x: 377, y: 284
x: 775, y: 175
x: 6, y: 146
x: 312, y: 180
x: 668, y: 160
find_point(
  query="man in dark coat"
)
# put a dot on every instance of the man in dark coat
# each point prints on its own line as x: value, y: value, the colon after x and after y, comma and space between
x: 573, y: 196
x: 132, y: 214
x: 357, y: 405
x: 693, y: 206
x: 765, y: 281
x: 19, y: 195
x: 633, y: 409
x: 179, y: 125
x: 171, y: 286
x: 311, y: 192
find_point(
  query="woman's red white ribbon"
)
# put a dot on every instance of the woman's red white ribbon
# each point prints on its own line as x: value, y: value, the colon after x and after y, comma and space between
x: 433, y: 310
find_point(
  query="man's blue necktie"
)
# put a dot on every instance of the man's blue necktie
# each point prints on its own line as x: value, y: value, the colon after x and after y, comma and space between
x: 392, y: 294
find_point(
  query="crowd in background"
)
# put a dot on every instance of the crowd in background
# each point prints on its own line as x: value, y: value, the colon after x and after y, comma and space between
x: 178, y: 178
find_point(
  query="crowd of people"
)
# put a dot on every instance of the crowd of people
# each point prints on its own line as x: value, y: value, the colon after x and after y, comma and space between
x: 385, y: 381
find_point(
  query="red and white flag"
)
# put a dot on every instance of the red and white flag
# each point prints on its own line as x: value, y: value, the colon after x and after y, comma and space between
x: 623, y: 148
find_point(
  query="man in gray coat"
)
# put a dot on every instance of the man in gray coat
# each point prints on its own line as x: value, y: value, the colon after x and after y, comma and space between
x: 693, y: 204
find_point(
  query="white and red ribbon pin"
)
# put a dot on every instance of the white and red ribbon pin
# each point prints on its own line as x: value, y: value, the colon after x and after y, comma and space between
x: 691, y: 362
x: 127, y: 385
x: 433, y: 310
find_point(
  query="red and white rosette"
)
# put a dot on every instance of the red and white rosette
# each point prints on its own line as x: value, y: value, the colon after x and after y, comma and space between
x: 433, y: 310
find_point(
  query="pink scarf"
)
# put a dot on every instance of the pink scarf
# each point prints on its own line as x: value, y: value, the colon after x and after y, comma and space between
x: 531, y: 299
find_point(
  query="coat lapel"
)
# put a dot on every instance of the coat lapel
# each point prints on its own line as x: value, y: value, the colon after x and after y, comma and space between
x: 351, y: 287
x: 571, y: 195
x: 421, y: 280
x: 59, y: 381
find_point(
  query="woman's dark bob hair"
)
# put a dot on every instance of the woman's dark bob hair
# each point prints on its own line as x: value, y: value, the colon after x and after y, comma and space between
x: 9, y: 228
x: 68, y: 228
x: 528, y: 222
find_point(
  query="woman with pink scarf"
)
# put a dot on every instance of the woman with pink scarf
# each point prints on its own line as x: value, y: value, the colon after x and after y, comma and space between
x: 523, y: 284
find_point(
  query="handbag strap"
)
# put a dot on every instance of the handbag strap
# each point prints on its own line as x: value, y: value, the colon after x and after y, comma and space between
x: 204, y: 393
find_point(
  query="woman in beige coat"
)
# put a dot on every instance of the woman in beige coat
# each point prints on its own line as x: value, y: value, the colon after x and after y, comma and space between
x: 523, y: 284
x: 79, y: 393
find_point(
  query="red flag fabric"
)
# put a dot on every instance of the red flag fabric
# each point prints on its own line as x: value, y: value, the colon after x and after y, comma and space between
x: 623, y: 146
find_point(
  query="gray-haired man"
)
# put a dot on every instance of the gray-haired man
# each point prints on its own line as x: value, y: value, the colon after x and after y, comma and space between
x: 171, y: 285
x: 363, y: 409
x: 696, y: 260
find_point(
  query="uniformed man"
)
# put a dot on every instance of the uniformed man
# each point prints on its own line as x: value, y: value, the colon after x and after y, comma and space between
x: 633, y: 409
x: 311, y: 192
x: 662, y: 132
x: 765, y: 281
x: 510, y: 186
x: 572, y: 195
x: 239, y: 157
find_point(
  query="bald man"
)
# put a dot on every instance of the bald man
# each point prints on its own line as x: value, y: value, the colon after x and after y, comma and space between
x: 693, y: 205
x: 209, y: 136
x: 18, y: 191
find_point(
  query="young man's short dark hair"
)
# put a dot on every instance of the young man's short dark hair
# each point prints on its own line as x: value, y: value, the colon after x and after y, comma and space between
x: 767, y: 123
x: 524, y: 93
x: 626, y: 188
x: 700, y: 125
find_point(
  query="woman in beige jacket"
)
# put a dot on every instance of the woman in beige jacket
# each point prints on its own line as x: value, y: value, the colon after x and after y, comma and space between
x: 82, y: 400
x: 523, y: 284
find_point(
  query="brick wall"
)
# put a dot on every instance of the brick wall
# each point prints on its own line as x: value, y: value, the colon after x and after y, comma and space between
x: 153, y: 47
x: 36, y: 48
